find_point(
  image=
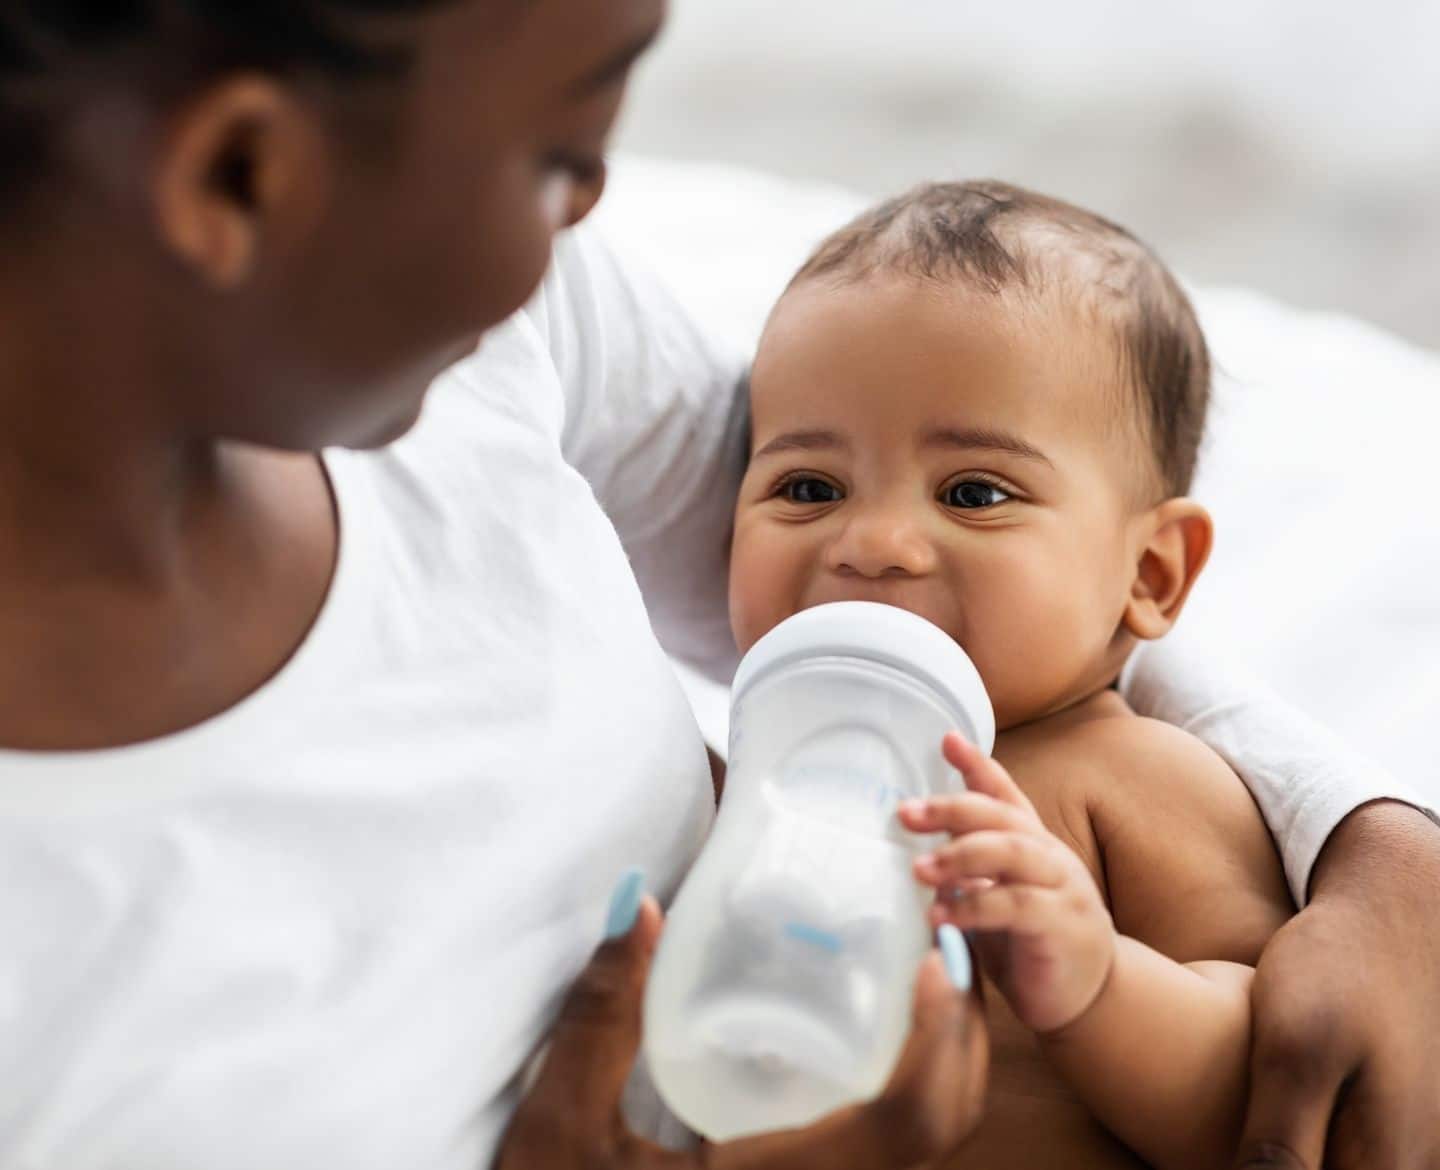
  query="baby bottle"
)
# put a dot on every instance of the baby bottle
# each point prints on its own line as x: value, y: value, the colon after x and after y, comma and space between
x: 782, y: 986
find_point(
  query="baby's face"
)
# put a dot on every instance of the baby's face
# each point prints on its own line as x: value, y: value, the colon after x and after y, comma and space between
x: 958, y: 455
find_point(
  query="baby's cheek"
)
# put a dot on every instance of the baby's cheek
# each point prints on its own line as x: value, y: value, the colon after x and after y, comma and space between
x: 758, y: 591
x: 744, y: 623
x: 1021, y: 642
x: 1011, y: 686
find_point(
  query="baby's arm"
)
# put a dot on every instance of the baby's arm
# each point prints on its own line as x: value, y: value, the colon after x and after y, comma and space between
x: 1157, y: 1049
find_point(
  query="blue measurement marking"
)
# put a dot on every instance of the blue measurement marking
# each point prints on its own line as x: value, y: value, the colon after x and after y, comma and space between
x: 815, y: 937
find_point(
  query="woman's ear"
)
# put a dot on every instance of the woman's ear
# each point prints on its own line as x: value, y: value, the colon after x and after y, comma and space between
x: 1176, y: 539
x: 244, y: 165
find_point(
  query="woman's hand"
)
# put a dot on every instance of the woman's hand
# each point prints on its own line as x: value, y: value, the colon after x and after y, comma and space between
x: 571, y: 1117
x: 1043, y: 933
x: 1345, y: 1072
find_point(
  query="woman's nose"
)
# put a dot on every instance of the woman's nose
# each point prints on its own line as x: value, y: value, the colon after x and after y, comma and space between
x: 883, y: 543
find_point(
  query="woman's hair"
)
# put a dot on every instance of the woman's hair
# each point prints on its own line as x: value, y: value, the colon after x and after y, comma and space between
x: 997, y: 237
x: 42, y: 41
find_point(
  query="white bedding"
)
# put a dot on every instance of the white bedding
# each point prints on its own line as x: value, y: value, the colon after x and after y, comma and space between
x: 1325, y: 438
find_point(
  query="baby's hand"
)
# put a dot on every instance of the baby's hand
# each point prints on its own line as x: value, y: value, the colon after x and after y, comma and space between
x: 1040, y: 926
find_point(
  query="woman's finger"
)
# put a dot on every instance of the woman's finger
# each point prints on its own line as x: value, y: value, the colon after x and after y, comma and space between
x: 1288, y: 1117
x: 1007, y: 858
x: 939, y: 1081
x: 970, y: 812
x: 597, y: 1034
x: 1296, y: 1076
x: 932, y: 1103
x: 983, y: 773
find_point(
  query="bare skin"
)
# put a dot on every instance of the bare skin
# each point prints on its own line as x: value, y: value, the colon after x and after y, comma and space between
x: 1222, y: 896
x: 1033, y: 1119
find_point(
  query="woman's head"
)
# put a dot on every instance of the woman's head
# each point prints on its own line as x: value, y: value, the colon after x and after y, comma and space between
x: 283, y: 217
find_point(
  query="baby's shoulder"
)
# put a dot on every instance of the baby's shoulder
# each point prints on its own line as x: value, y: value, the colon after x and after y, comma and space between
x: 1111, y: 757
x: 1180, y: 840
x: 1128, y: 756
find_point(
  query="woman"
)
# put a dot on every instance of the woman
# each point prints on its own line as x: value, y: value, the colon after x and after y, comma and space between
x: 317, y: 773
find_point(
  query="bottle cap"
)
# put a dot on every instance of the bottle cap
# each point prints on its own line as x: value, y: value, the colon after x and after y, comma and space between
x: 884, y: 634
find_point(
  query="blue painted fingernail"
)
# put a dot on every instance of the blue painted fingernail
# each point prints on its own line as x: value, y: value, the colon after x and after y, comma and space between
x: 625, y: 904
x: 956, y: 955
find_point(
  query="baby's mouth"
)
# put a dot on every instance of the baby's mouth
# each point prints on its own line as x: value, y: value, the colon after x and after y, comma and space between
x: 920, y: 607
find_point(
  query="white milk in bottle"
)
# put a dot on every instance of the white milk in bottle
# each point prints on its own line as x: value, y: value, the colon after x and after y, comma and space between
x: 783, y: 982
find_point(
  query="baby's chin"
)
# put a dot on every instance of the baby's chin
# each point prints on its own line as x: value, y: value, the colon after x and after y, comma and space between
x: 1015, y: 711
x: 1008, y: 717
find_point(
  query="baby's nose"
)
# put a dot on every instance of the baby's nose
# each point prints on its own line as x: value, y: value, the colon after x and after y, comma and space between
x: 883, y: 543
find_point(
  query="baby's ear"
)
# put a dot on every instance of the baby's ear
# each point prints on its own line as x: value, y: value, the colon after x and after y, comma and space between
x: 1176, y: 537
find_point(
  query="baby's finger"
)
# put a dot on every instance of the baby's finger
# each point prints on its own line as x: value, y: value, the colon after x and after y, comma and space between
x: 969, y: 812
x: 1020, y: 908
x: 983, y: 773
x: 1013, y: 858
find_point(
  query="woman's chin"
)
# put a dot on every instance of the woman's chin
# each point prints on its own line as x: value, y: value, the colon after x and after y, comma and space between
x: 390, y: 429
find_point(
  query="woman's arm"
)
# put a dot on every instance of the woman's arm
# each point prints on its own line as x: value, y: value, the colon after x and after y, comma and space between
x: 1345, y: 1066
x: 1323, y: 1020
x: 656, y: 420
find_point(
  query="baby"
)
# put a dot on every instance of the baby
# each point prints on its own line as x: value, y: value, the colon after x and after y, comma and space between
x: 984, y: 405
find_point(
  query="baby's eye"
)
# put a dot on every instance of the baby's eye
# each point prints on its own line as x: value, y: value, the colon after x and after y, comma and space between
x: 971, y: 494
x: 807, y: 489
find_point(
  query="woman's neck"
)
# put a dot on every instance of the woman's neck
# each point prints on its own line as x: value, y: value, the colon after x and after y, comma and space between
x: 94, y: 477
x: 148, y: 579
x: 71, y: 509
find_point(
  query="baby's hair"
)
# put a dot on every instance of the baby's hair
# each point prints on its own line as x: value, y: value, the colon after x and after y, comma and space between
x: 170, y: 45
x: 998, y: 238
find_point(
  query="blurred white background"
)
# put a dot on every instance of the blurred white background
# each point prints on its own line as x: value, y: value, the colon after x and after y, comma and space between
x: 1289, y: 146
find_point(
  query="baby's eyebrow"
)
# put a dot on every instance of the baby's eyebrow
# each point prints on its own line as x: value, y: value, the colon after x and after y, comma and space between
x: 985, y: 439
x: 804, y: 441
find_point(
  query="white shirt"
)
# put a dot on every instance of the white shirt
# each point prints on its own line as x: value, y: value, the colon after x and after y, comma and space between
x: 327, y: 927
